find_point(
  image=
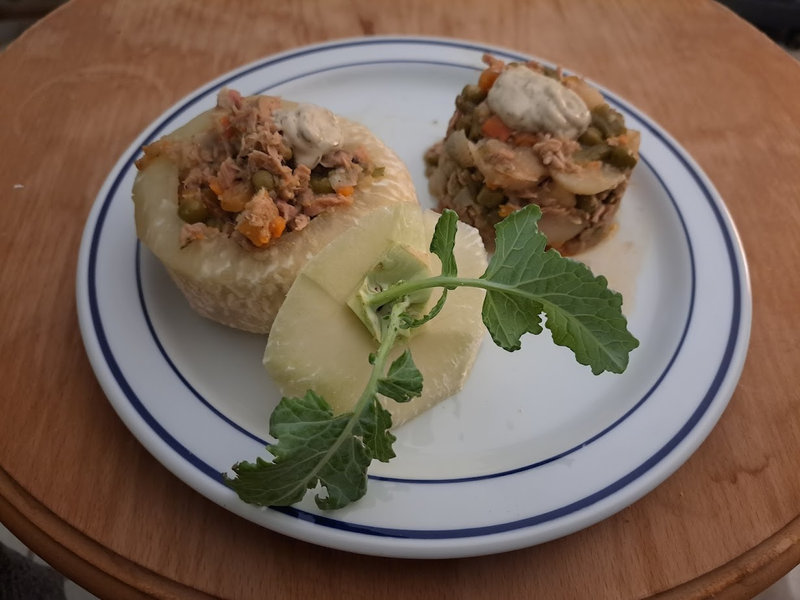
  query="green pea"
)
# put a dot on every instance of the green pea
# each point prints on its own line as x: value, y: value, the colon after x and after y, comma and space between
x: 608, y: 121
x: 551, y: 72
x: 489, y: 198
x: 464, y: 106
x: 591, y: 137
x: 192, y: 209
x: 263, y: 179
x: 591, y: 153
x: 473, y: 93
x: 587, y: 203
x: 463, y: 122
x: 474, y: 132
x: 621, y: 157
x: 321, y: 185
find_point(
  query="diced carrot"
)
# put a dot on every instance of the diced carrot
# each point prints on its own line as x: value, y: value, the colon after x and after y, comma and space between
x: 346, y: 190
x: 494, y: 127
x: 235, y: 198
x: 505, y: 210
x: 525, y: 138
x: 257, y: 235
x: 492, y: 71
x: 227, y: 130
x: 231, y: 203
x: 487, y: 78
x: 277, y: 226
x: 215, y: 187
x: 491, y: 61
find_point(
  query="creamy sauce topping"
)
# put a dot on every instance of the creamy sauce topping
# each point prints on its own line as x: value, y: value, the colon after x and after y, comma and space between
x: 311, y: 131
x: 529, y: 101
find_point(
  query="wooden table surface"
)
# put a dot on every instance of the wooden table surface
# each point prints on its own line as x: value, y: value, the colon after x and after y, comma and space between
x: 79, y: 489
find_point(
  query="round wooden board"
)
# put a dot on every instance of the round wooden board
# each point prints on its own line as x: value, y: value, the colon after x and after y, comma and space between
x: 79, y: 489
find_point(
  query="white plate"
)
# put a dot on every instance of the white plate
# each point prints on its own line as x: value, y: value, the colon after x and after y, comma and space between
x: 534, y: 447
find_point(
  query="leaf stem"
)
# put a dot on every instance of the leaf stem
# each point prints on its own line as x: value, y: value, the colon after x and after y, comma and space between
x: 382, y: 356
x: 378, y: 368
x: 405, y: 288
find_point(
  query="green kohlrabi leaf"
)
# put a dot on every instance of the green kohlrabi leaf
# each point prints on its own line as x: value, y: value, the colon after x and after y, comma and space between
x: 375, y: 424
x: 442, y: 245
x: 403, y: 380
x: 582, y: 313
x: 522, y: 282
x: 444, y: 240
x: 313, y: 446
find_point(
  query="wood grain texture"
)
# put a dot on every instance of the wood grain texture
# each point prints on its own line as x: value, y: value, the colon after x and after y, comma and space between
x: 75, y: 484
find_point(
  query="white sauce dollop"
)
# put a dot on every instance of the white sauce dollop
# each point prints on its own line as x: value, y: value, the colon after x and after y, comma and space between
x: 529, y: 101
x: 311, y: 131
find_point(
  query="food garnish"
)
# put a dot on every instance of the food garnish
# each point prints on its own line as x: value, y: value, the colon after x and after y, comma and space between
x: 523, y: 283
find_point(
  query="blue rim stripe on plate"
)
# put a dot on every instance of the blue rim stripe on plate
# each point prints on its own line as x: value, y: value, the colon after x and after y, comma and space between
x: 102, y: 341
x: 405, y: 533
x: 151, y: 328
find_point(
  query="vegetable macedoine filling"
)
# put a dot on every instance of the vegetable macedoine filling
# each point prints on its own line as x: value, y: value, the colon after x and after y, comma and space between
x: 261, y: 171
x: 523, y: 283
x: 529, y: 134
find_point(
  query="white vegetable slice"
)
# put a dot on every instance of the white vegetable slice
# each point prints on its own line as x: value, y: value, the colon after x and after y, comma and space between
x: 318, y: 343
x: 592, y: 179
x: 591, y: 96
x: 460, y: 148
x: 560, y: 226
x: 241, y: 287
x: 508, y: 167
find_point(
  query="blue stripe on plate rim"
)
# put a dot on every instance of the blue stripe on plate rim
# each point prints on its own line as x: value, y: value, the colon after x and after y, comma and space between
x: 575, y: 506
